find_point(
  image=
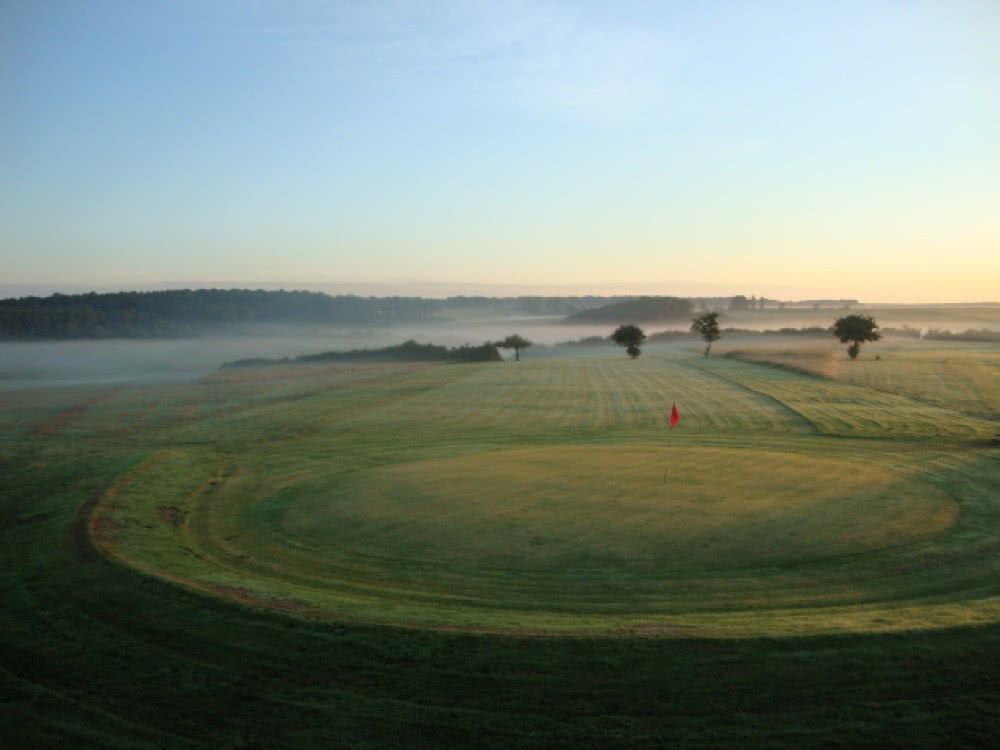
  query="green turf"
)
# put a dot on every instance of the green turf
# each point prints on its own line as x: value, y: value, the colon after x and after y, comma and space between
x: 959, y: 377
x: 274, y: 525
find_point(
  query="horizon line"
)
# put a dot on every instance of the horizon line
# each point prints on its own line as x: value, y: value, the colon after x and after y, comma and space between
x: 40, y: 289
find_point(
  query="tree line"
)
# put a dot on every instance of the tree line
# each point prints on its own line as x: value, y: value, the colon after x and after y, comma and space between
x: 853, y: 329
x: 192, y: 312
x: 188, y: 312
x: 408, y: 351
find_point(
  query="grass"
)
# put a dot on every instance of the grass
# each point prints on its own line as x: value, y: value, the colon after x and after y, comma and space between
x: 455, y: 555
x: 963, y: 378
x: 540, y: 540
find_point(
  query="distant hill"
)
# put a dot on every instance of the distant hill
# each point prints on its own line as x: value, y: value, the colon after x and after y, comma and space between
x: 194, y: 312
x: 639, y: 310
x: 528, y: 305
x: 408, y: 351
x: 186, y: 312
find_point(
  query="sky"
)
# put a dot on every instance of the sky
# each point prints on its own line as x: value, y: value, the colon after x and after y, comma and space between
x: 787, y: 149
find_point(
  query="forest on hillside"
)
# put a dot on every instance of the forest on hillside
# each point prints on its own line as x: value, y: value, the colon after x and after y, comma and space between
x: 193, y: 312
x: 187, y: 312
x: 640, y: 310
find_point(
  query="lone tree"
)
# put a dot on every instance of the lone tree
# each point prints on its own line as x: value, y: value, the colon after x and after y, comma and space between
x: 857, y: 329
x: 631, y: 337
x: 516, y: 343
x: 707, y: 326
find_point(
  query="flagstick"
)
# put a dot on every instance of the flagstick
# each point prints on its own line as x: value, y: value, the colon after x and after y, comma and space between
x: 674, y: 418
x: 667, y: 466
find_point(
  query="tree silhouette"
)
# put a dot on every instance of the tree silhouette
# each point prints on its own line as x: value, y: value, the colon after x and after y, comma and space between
x: 515, y: 342
x: 856, y: 329
x: 631, y: 337
x: 707, y: 326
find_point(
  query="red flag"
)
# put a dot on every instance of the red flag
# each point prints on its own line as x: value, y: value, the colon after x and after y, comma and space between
x: 675, y: 416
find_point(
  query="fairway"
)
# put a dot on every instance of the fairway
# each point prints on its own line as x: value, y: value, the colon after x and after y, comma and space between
x: 549, y: 497
x: 511, y: 555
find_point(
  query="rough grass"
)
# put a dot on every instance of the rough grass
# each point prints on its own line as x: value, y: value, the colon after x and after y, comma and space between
x: 958, y: 377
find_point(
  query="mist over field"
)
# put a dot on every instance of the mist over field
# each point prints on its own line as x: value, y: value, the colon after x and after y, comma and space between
x: 34, y: 363
x: 86, y: 361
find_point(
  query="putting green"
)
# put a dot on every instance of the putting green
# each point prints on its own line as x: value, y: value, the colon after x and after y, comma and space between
x: 564, y: 539
x: 623, y: 509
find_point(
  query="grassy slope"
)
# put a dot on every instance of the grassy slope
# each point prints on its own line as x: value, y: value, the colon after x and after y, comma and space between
x: 93, y: 654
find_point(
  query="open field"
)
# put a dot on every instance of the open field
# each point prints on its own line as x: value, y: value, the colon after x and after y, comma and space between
x: 518, y: 555
x: 961, y: 377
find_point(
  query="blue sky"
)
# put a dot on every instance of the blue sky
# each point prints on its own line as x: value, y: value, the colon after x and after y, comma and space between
x: 782, y: 148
